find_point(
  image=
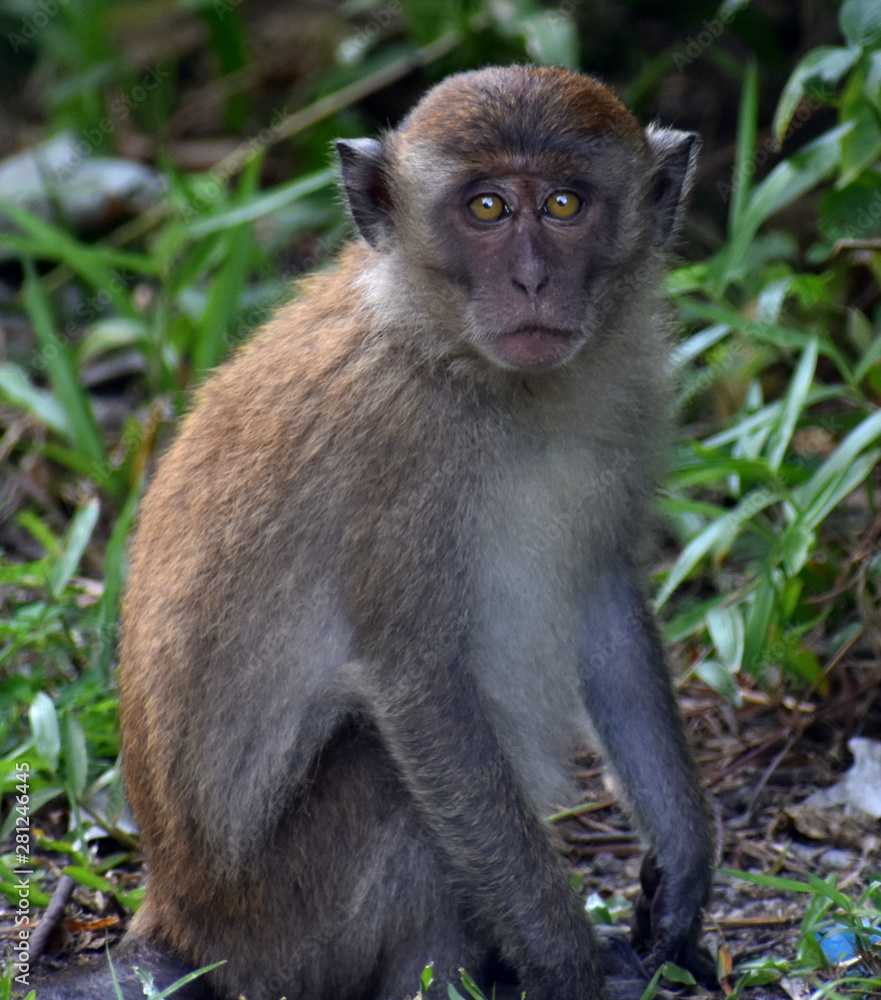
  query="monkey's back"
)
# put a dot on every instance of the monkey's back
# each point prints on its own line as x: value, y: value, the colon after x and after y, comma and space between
x: 241, y: 594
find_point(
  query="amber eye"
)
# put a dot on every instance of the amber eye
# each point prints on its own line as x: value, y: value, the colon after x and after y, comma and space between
x: 487, y: 207
x: 562, y: 205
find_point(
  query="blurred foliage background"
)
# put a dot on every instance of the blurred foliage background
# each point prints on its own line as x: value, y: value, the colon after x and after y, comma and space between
x: 166, y: 175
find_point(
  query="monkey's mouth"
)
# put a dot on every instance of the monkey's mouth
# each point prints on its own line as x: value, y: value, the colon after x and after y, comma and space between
x: 535, y: 348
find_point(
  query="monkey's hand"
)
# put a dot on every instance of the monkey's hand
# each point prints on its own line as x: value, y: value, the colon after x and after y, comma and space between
x: 667, y: 923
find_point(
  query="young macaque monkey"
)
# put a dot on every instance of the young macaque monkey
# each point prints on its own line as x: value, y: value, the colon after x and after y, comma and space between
x: 390, y: 576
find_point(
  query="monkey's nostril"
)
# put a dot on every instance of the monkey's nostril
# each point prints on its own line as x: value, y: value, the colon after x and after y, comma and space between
x: 531, y: 288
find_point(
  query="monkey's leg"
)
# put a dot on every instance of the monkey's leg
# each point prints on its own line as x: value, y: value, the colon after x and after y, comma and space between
x: 349, y: 900
x: 498, y: 850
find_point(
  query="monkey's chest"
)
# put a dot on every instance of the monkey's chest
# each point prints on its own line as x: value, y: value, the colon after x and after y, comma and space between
x: 538, y: 543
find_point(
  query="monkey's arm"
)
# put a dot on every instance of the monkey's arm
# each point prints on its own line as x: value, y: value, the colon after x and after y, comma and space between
x: 633, y: 707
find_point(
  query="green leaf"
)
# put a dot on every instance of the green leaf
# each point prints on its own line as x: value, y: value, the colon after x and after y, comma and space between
x: 872, y: 88
x: 596, y: 907
x: 427, y: 978
x: 804, y: 665
x: 720, y: 679
x: 89, y: 879
x: 83, y: 428
x: 796, y: 545
x: 861, y: 147
x: 691, y: 620
x: 551, y: 39
x: 793, y: 405
x: 259, y: 206
x: 745, y: 158
x: 790, y: 179
x: 758, y: 625
x: 818, y: 906
x: 825, y: 65
x: 651, y: 990
x: 471, y: 987
x: 860, y: 22
x: 757, y: 977
x: 695, y: 345
x: 728, y: 634
x: 170, y: 991
x: 712, y: 468
x: 94, y: 264
x: 76, y: 757
x: 772, y: 298
x: 809, y: 954
x: 871, y: 356
x: 787, y: 182
x: 674, y: 973
x: 76, y: 539
x: 772, y: 333
x: 114, y: 573
x: 714, y: 536
x: 839, y: 464
x: 47, y: 733
x: 741, y: 430
x: 770, y: 881
x: 223, y: 299
x: 227, y: 288
x: 106, y: 335
x: 17, y: 389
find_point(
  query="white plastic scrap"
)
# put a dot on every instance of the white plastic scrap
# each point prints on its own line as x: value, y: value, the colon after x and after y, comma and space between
x: 860, y: 789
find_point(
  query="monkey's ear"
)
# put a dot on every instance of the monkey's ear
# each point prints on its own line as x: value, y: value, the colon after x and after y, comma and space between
x: 363, y: 163
x: 675, y: 157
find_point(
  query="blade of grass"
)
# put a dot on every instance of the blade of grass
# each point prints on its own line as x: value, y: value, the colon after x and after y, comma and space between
x: 226, y: 289
x: 114, y: 572
x: 865, y: 434
x: 76, y: 538
x: 262, y: 205
x: 712, y: 536
x: 793, y: 405
x: 94, y: 264
x: 745, y: 158
x: 84, y: 431
x: 15, y: 388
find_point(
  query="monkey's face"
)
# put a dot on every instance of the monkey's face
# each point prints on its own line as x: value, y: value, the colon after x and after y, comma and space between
x: 525, y: 204
x: 529, y: 248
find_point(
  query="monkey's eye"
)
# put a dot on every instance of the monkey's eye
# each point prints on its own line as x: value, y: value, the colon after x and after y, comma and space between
x: 487, y: 207
x: 562, y: 205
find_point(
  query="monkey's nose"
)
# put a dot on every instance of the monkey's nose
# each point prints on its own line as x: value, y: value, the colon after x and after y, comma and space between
x: 531, y: 286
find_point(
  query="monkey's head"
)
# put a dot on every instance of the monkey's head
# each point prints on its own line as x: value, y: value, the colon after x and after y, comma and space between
x: 529, y: 199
